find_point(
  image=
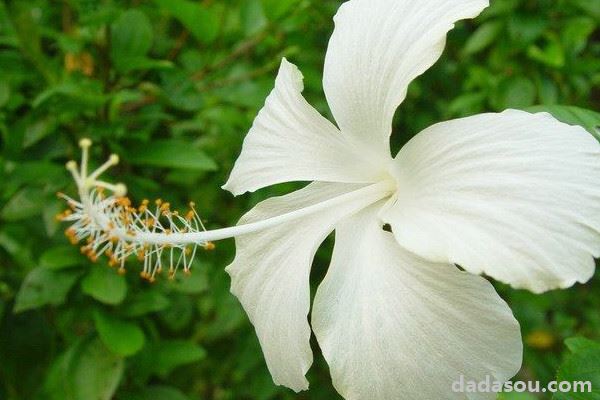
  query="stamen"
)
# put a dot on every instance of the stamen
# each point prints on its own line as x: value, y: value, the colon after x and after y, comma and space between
x: 105, y: 220
x: 111, y: 226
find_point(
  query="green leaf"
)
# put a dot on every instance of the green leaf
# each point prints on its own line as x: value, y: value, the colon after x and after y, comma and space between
x: 253, y: 17
x: 199, y: 20
x: 26, y: 203
x: 159, y: 393
x: 171, y: 154
x: 12, y: 240
x: 86, y: 96
x: 483, y: 37
x: 61, y: 257
x: 180, y: 91
x: 96, y: 372
x: 38, y: 131
x: 26, y: 22
x: 518, y: 92
x: 577, y: 344
x: 179, y: 314
x: 582, y: 366
x: 275, y: 9
x: 36, y: 173
x: 4, y: 93
x: 104, y: 285
x: 131, y: 39
x: 145, y: 302
x: 576, y: 33
x: 43, y: 286
x: 552, y: 54
x: 170, y: 354
x: 195, y: 283
x: 121, y: 337
x: 526, y: 29
x: 590, y: 7
x: 466, y: 104
x: 588, y: 119
x: 86, y: 371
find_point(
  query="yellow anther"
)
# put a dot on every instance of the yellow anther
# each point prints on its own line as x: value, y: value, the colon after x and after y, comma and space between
x: 71, y: 165
x: 124, y: 202
x: 190, y: 215
x: 209, y: 246
x: 113, y: 159
x: 158, y: 202
x: 61, y: 216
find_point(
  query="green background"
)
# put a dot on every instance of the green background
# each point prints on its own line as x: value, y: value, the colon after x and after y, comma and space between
x: 172, y: 86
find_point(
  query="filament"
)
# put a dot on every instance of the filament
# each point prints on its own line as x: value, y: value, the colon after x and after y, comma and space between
x: 107, y: 223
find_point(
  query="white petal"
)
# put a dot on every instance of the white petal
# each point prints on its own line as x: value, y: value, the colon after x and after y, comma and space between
x: 270, y: 274
x: 291, y: 141
x: 378, y: 47
x: 514, y: 195
x: 394, y: 326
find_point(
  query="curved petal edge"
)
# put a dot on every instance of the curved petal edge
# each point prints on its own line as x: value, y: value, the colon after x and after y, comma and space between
x: 513, y: 195
x: 394, y: 326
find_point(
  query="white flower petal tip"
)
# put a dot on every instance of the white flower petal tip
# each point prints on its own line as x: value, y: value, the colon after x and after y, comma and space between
x: 290, y: 141
x: 377, y: 49
x: 513, y: 195
x: 394, y: 326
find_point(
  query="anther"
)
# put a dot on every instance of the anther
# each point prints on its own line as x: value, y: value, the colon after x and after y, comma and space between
x: 85, y: 143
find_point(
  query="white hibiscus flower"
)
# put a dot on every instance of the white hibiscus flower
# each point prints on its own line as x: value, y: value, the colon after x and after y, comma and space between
x: 512, y: 195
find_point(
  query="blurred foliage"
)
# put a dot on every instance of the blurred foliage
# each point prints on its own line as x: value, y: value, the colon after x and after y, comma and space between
x: 172, y: 86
